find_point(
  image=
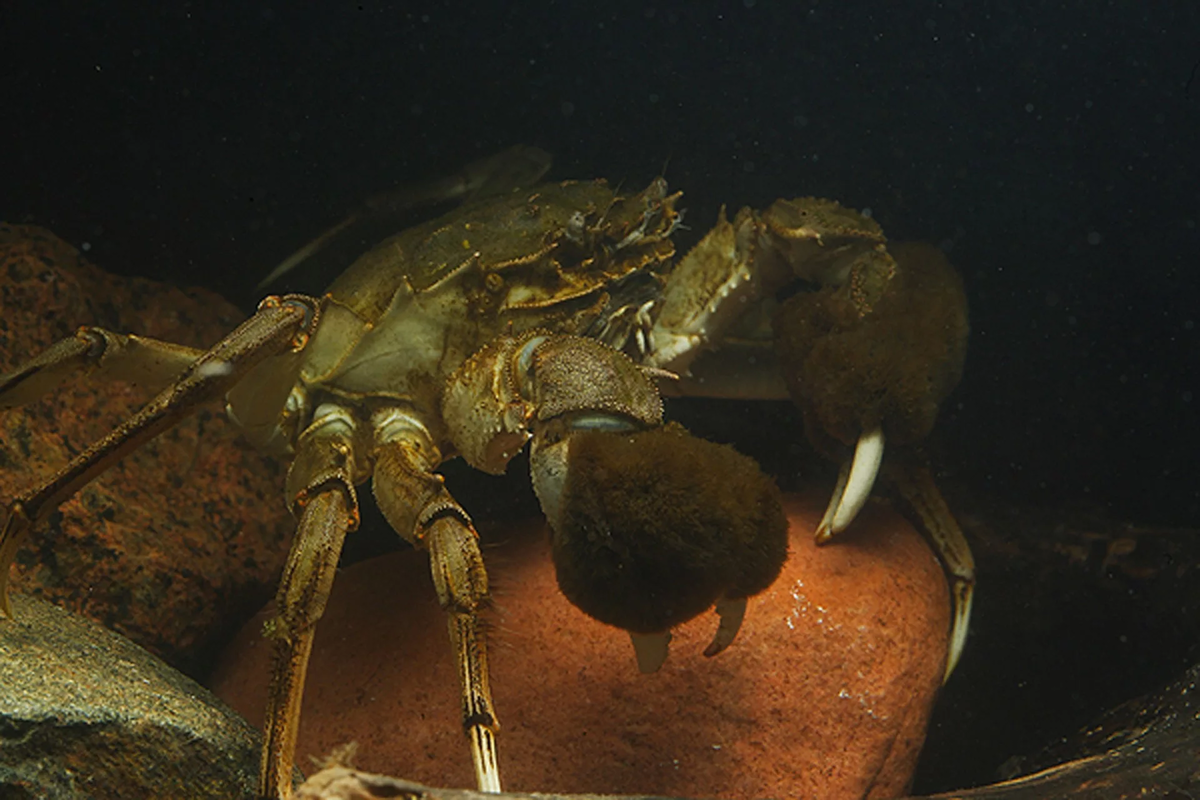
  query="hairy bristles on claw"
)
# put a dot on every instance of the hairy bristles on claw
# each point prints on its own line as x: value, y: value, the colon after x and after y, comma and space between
x: 656, y: 525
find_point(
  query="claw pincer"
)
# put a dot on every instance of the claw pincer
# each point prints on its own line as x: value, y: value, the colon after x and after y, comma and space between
x: 650, y: 525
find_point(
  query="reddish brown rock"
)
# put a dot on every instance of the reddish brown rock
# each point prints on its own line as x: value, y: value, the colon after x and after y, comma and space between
x: 826, y: 691
x: 176, y: 537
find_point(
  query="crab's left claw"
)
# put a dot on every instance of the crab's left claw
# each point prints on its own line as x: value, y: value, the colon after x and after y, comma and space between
x: 879, y: 350
x: 854, y: 484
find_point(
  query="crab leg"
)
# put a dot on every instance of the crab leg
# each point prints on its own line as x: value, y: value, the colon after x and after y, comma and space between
x: 278, y: 325
x: 113, y: 356
x: 419, y: 508
x: 321, y: 490
x: 461, y: 582
x: 916, y: 488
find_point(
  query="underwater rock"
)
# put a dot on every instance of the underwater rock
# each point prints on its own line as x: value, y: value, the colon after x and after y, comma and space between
x: 84, y: 713
x: 1065, y: 587
x: 826, y: 691
x: 1148, y: 747
x: 178, y: 537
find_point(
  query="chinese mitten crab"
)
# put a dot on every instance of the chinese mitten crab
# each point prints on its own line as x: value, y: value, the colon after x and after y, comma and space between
x: 546, y: 316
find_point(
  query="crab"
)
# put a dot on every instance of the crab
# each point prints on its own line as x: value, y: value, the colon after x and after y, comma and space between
x: 555, y: 317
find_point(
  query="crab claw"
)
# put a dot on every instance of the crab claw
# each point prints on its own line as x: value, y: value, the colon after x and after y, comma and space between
x: 853, y: 485
x: 652, y: 648
x: 650, y: 528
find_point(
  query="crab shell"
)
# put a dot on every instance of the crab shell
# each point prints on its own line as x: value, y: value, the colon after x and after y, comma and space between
x: 571, y: 257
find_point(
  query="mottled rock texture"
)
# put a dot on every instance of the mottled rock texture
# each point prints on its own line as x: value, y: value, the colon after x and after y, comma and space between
x: 84, y: 713
x: 177, y: 538
x: 825, y: 693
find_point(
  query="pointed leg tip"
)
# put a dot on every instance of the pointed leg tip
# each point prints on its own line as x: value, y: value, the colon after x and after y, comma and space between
x: 487, y: 766
x: 964, y: 597
x: 953, y: 654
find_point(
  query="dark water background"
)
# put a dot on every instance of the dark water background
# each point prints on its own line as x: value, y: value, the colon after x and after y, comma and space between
x: 1052, y: 147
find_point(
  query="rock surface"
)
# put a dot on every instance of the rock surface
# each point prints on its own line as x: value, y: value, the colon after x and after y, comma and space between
x: 84, y: 713
x: 1147, y: 747
x: 1063, y: 587
x: 826, y: 691
x: 176, y: 538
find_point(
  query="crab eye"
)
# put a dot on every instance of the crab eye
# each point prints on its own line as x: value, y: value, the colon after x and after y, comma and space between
x: 576, y: 227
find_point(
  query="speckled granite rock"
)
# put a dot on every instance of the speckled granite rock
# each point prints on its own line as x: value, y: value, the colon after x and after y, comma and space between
x: 176, y: 538
x: 84, y: 713
x: 826, y: 692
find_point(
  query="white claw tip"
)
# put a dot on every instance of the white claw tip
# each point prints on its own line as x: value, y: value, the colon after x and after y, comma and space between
x: 854, y: 486
x: 651, y: 649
